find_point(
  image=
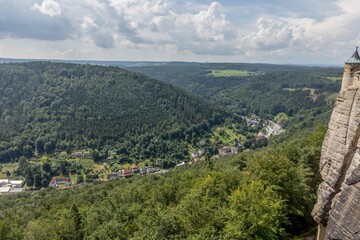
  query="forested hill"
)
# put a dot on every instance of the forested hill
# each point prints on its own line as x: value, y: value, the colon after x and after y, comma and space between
x: 55, y: 106
x: 262, y: 89
x: 267, y: 194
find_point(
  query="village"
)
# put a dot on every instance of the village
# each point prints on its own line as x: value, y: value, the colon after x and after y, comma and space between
x: 112, y: 170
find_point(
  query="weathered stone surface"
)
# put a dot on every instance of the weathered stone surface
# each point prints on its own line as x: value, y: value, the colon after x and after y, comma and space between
x: 345, y: 215
x: 338, y: 203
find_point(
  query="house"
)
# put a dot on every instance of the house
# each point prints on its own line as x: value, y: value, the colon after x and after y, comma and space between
x: 113, y: 176
x: 10, y: 190
x: 86, y: 154
x: 4, y: 181
x: 135, y: 168
x: 16, y: 190
x: 234, y: 150
x: 195, y: 154
x: 78, y: 154
x: 201, y: 152
x: 225, y: 151
x: 143, y: 171
x: 195, y: 160
x: 127, y: 172
x: 4, y: 190
x: 260, y: 134
x: 16, y: 183
x: 60, y: 182
x: 151, y: 170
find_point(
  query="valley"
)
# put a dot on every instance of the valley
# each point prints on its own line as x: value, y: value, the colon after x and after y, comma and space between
x: 82, y: 127
x: 179, y: 120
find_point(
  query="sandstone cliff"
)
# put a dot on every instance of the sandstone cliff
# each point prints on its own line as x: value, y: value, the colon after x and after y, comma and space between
x: 338, y: 205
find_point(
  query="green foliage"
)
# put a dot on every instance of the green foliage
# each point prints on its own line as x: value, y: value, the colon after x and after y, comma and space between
x: 229, y: 73
x: 47, y: 107
x: 267, y: 194
x: 255, y: 212
x: 264, y: 94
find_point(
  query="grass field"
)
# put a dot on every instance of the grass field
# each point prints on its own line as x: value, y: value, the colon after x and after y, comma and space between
x: 334, y: 78
x: 229, y: 73
x: 226, y: 135
x: 86, y: 163
x: 7, y: 167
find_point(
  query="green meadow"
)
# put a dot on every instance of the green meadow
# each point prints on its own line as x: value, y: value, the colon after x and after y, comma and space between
x: 229, y: 73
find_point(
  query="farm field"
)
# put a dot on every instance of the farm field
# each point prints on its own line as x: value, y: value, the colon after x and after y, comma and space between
x: 229, y: 73
x: 334, y: 78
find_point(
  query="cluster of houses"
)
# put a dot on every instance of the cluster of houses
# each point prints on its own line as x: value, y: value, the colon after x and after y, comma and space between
x: 224, y: 151
x: 11, y: 186
x: 60, y: 182
x: 82, y: 154
x: 228, y: 151
x: 196, y: 156
x: 133, y: 170
x: 252, y: 121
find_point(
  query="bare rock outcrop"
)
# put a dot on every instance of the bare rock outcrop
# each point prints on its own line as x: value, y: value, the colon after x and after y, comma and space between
x: 338, y: 206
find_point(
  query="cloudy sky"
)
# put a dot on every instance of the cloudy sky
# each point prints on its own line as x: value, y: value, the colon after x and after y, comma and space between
x: 276, y: 31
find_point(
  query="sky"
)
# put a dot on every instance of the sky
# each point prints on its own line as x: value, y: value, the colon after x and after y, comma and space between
x: 264, y: 31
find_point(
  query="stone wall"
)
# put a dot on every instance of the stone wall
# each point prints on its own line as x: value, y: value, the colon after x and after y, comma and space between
x: 350, y: 77
x: 337, y: 207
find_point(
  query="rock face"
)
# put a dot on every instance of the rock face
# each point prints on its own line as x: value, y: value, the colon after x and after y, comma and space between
x: 338, y: 205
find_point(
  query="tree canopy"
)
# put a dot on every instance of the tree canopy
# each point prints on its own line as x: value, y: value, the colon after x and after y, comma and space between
x: 46, y: 107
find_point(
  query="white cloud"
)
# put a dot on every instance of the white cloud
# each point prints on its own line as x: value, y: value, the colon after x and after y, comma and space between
x: 207, y: 32
x: 49, y: 7
x: 327, y: 36
x: 274, y: 34
x: 186, y: 28
x: 152, y: 23
x: 270, y: 35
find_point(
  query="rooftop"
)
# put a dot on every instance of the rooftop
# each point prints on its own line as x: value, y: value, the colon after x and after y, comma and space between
x: 16, y: 190
x: 4, y: 189
x: 16, y: 182
x: 355, y: 58
x: 2, y: 181
x: 60, y: 179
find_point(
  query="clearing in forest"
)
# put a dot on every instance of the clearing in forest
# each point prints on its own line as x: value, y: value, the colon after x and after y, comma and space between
x: 229, y: 73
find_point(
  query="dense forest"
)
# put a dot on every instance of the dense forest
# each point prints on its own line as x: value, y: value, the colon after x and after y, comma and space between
x: 264, y: 194
x: 265, y: 90
x: 49, y: 110
x: 45, y: 107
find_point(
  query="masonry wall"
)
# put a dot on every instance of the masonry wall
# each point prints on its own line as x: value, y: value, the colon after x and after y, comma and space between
x: 337, y: 207
x: 350, y: 77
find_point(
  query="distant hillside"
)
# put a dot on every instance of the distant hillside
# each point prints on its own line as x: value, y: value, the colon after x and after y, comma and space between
x: 55, y: 106
x: 263, y: 89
